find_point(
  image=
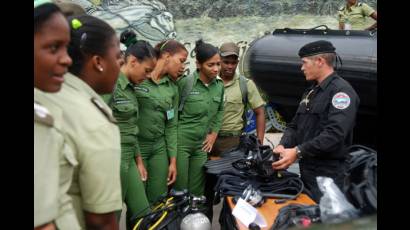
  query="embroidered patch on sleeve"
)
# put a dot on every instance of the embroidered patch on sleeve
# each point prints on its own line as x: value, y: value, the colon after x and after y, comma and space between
x: 341, y: 100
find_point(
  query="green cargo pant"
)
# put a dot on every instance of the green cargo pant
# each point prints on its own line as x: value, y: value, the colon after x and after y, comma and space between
x: 133, y: 191
x: 190, y: 167
x: 155, y: 157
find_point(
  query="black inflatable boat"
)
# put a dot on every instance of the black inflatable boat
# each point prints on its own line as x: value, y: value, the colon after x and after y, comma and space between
x: 273, y: 62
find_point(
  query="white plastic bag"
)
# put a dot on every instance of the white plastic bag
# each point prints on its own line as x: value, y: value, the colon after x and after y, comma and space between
x: 334, y: 207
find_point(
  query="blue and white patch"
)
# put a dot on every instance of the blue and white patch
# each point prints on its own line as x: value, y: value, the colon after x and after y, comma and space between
x: 341, y: 100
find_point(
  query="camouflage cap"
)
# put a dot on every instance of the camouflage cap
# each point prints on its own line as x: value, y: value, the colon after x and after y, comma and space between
x: 229, y: 48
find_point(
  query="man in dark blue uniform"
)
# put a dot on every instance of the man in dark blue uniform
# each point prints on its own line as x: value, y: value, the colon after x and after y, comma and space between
x: 322, y: 129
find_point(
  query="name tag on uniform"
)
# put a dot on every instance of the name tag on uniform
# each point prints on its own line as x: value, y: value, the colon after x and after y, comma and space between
x: 140, y: 88
x: 122, y: 101
x: 170, y: 114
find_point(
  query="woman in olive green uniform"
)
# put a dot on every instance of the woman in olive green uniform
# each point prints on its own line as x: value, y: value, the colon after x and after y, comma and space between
x: 53, y: 208
x: 157, y: 123
x: 200, y: 117
x: 140, y: 60
x: 88, y: 125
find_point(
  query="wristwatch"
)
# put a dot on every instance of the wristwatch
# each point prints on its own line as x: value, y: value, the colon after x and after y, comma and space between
x: 298, y: 152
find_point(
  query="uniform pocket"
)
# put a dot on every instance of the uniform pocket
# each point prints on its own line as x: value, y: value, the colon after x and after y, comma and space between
x: 124, y: 111
x: 68, y: 162
x: 233, y: 104
x: 124, y: 107
x: 68, y: 155
x: 215, y: 105
x: 194, y: 105
x: 318, y: 108
x: 146, y: 103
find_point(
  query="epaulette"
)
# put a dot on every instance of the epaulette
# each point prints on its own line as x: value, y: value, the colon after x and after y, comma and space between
x: 101, y: 107
x: 42, y: 115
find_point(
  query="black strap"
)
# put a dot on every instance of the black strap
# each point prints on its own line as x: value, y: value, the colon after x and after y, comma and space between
x: 185, y: 91
x: 244, y: 92
x: 233, y: 183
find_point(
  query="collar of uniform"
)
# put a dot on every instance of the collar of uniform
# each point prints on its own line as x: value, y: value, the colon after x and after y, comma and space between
x: 78, y: 83
x: 36, y: 91
x: 163, y: 80
x: 195, y: 74
x: 234, y: 79
x: 353, y: 6
x: 39, y: 96
x: 326, y: 82
x: 196, y: 78
x: 123, y: 81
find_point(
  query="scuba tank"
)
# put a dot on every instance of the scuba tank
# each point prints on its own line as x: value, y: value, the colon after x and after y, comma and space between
x: 178, y: 210
x: 196, y: 220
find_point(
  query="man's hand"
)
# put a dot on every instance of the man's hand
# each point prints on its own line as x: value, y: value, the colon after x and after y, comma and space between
x: 288, y: 156
x: 209, y: 142
x: 279, y: 149
x: 172, y: 171
x: 141, y: 168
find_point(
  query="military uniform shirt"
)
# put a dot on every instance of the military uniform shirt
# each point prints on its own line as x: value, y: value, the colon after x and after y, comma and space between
x: 233, y: 106
x: 66, y: 218
x: 90, y: 131
x: 47, y: 143
x: 203, y: 108
x: 158, y: 108
x: 323, y: 125
x: 124, y: 105
x: 355, y: 15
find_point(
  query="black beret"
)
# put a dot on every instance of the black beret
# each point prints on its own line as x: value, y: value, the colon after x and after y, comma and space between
x: 317, y: 47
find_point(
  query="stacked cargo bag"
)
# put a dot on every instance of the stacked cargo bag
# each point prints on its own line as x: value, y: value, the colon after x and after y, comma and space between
x: 360, y: 185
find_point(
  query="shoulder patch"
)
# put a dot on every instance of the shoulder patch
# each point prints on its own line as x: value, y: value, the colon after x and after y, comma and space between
x: 42, y: 115
x: 122, y: 101
x: 141, y: 88
x: 341, y: 100
x: 100, y: 107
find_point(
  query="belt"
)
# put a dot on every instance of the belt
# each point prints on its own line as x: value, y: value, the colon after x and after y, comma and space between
x: 229, y: 133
